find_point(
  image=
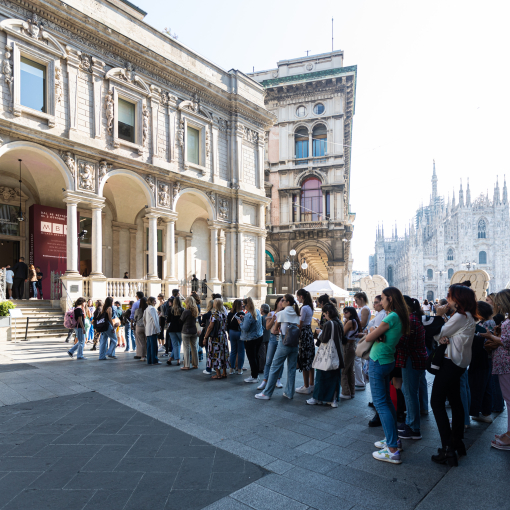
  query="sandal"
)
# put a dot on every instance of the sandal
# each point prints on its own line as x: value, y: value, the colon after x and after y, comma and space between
x: 224, y: 376
x: 216, y: 377
x: 499, y: 444
x: 185, y: 368
x: 193, y: 368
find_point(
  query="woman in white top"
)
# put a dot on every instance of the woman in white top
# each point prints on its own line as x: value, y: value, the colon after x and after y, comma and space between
x: 152, y: 330
x: 457, y: 334
x: 289, y: 315
x: 426, y: 308
x: 364, y: 314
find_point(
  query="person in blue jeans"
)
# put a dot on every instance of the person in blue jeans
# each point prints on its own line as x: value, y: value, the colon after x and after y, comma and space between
x: 411, y: 357
x: 381, y: 364
x: 152, y: 330
x: 109, y: 334
x: 269, y: 326
x: 129, y: 331
x: 175, y: 329
x: 289, y: 315
x: 234, y: 335
x: 79, y: 317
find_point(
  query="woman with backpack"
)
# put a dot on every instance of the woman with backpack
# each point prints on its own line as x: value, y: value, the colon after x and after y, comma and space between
x: 105, y: 325
x: 141, y: 339
x: 288, y: 347
x: 79, y: 322
x: 175, y: 329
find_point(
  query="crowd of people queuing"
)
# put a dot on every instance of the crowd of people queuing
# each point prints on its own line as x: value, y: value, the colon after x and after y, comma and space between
x: 465, y: 344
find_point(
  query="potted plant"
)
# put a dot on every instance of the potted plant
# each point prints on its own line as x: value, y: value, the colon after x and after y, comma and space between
x: 5, y: 319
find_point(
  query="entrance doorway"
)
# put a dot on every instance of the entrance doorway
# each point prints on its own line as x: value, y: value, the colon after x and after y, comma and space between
x: 9, y: 252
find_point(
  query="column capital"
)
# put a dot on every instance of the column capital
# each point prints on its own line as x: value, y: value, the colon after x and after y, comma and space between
x: 214, y: 226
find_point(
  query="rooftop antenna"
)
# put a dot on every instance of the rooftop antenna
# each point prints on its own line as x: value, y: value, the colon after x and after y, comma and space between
x: 331, y: 34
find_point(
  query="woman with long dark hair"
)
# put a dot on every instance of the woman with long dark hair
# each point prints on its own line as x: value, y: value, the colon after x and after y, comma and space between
x: 384, y: 340
x: 252, y: 334
x: 175, y: 329
x: 412, y: 358
x: 306, y: 351
x: 79, y: 317
x: 97, y: 312
x: 109, y: 333
x: 141, y: 339
x: 289, y: 315
x: 457, y: 334
x: 352, y: 326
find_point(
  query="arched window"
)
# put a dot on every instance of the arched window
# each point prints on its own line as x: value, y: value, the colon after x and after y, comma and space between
x: 449, y: 254
x: 482, y: 229
x: 450, y: 273
x: 482, y: 257
x: 430, y: 296
x: 390, y: 275
x: 320, y: 140
x: 301, y: 137
x: 430, y: 274
x: 311, y: 200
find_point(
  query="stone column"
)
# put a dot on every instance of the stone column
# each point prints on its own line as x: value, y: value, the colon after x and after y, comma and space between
x: 260, y: 159
x: 132, y: 253
x: 298, y: 207
x: 188, y: 269
x: 97, y: 242
x: 72, y: 235
x: 116, y: 251
x: 221, y: 256
x: 152, y: 270
x: 324, y: 205
x: 261, y: 258
x: 214, y: 255
x: 170, y: 252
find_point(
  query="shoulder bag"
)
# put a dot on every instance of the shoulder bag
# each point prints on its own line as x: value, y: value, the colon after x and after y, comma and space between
x: 291, y: 338
x: 326, y: 357
x: 363, y: 348
x: 101, y: 323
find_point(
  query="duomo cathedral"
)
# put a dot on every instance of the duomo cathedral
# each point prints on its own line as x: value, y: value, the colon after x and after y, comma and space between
x: 445, y: 238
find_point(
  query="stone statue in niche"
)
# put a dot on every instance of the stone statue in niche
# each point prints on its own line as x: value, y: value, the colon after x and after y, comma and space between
x: 223, y: 125
x: 69, y: 161
x: 164, y: 195
x: 104, y: 168
x: 196, y: 102
x: 7, y: 68
x: 151, y: 182
x: 180, y: 134
x: 109, y: 111
x: 59, y: 89
x: 212, y: 197
x: 87, y: 176
x: 129, y: 75
x: 176, y: 191
x: 145, y: 126
x: 223, y: 210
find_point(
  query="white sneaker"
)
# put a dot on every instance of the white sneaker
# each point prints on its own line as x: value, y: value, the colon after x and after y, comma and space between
x: 304, y: 390
x: 334, y: 404
x: 161, y: 348
x: 261, y: 396
x: 206, y: 372
x: 383, y: 444
x: 386, y: 456
x: 251, y: 380
x: 345, y: 397
x: 482, y: 418
x: 312, y: 402
x: 286, y: 396
x: 239, y: 372
x: 279, y: 384
x: 262, y: 385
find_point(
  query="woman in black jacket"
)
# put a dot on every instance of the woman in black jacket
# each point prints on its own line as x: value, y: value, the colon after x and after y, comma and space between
x: 175, y: 329
x: 327, y: 383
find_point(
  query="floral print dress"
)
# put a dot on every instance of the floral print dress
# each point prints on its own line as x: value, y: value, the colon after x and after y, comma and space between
x: 501, y: 356
x: 217, y: 347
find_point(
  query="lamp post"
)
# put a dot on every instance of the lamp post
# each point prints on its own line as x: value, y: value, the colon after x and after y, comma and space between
x: 20, y: 217
x: 440, y: 273
x: 423, y: 287
x: 290, y: 263
x: 468, y: 265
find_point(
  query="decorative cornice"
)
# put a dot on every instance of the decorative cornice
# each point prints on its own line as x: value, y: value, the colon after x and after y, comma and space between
x: 338, y: 71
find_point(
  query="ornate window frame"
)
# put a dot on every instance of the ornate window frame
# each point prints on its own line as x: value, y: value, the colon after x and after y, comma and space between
x: 29, y: 39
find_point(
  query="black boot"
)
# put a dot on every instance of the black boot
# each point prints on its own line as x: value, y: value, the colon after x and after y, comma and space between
x: 460, y: 447
x: 375, y: 421
x: 446, y: 456
x: 94, y: 348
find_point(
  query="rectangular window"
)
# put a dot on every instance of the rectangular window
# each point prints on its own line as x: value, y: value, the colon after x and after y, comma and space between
x: 319, y: 147
x: 33, y: 84
x: 301, y: 148
x: 126, y: 120
x: 193, y: 145
x: 9, y: 224
x: 328, y: 207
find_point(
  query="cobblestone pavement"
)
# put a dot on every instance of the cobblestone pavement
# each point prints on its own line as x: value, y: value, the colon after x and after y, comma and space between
x: 312, y: 456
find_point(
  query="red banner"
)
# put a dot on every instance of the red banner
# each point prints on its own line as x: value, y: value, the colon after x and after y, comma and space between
x: 48, y: 242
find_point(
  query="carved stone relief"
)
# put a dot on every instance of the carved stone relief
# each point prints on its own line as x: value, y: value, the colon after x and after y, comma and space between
x: 212, y: 197
x: 9, y: 193
x: 145, y: 126
x: 223, y: 209
x: 180, y: 134
x: 59, y: 85
x: 104, y: 168
x: 68, y: 158
x: 86, y: 177
x: 176, y: 190
x: 151, y: 181
x: 207, y: 144
x: 109, y: 111
x: 7, y: 68
x: 33, y: 26
x: 164, y: 195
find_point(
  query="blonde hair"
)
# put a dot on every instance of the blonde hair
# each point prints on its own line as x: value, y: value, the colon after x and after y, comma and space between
x: 250, y: 307
x: 502, y: 302
x: 191, y: 306
x: 218, y: 304
x: 210, y: 305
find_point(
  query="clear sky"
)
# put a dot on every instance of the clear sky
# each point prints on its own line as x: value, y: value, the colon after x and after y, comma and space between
x: 433, y: 83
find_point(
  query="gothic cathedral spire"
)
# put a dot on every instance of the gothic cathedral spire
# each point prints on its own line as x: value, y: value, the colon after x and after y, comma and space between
x: 468, y: 194
x: 461, y: 196
x: 434, y: 184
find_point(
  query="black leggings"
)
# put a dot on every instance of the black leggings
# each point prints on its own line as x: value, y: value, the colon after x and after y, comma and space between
x: 447, y: 386
x: 252, y: 351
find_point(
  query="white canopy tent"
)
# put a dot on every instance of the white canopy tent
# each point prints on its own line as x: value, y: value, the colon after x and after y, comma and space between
x: 326, y: 287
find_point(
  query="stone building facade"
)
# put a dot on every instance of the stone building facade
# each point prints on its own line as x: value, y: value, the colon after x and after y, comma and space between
x: 307, y: 170
x: 157, y: 152
x: 446, y: 237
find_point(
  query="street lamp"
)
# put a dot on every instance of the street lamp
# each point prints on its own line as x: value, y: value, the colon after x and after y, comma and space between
x: 440, y: 273
x: 291, y: 264
x: 20, y: 217
x: 468, y: 265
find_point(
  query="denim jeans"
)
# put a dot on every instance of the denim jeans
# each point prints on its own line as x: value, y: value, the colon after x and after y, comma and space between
x: 91, y: 333
x: 176, y: 339
x: 152, y: 349
x: 271, y: 349
x: 283, y: 353
x: 34, y: 289
x: 78, y: 346
x: 465, y: 395
x: 130, y: 335
x: 424, y: 392
x: 108, y: 334
x: 236, y: 349
x: 380, y: 387
x: 411, y: 388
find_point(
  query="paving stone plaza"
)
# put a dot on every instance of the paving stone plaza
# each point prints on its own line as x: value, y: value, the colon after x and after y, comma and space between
x: 123, y: 435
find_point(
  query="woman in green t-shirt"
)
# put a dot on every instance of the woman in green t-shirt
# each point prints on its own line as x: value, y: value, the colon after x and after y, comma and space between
x: 384, y: 341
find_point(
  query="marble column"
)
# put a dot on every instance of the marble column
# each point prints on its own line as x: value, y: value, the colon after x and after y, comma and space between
x: 132, y: 253
x: 116, y: 251
x: 221, y: 256
x: 72, y: 235
x: 214, y: 255
x: 152, y: 272
x: 97, y: 242
x: 170, y: 251
x: 261, y: 258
